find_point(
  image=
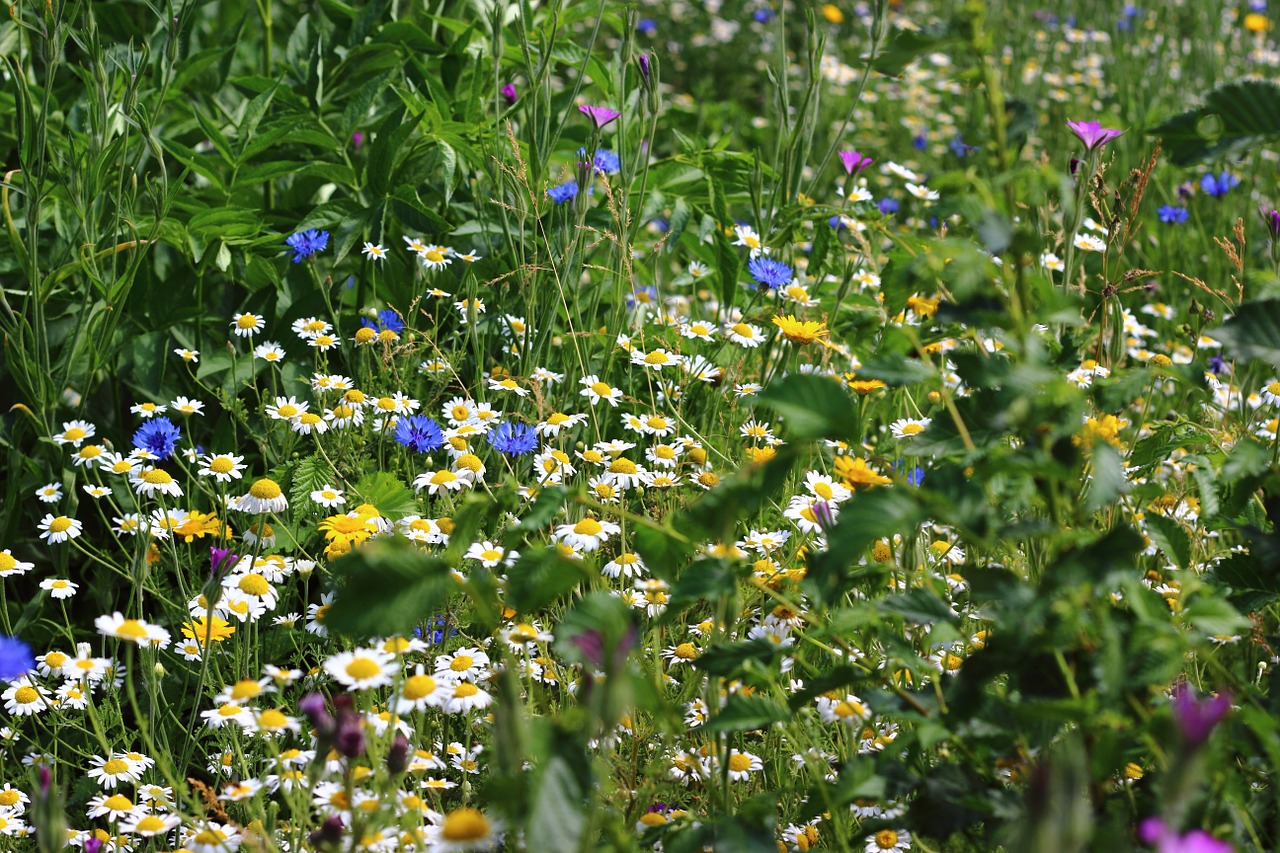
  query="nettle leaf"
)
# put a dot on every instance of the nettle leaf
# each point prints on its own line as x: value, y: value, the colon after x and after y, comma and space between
x: 1254, y: 330
x: 393, y: 498
x: 1171, y: 538
x: 811, y: 407
x: 1232, y: 119
x: 747, y: 713
x: 310, y: 474
x: 389, y: 586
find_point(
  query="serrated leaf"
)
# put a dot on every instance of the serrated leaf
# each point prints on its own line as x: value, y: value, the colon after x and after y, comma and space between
x: 1107, y: 481
x: 389, y: 586
x: 747, y: 713
x: 309, y: 475
x: 1232, y: 119
x: 393, y: 498
x: 811, y: 407
x: 1171, y: 538
x: 1253, y: 331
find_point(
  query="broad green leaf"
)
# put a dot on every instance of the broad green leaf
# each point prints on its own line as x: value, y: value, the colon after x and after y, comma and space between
x: 393, y: 498
x: 1254, y: 330
x: 1107, y: 481
x: 730, y: 658
x: 1171, y: 537
x: 1232, y: 119
x: 389, y: 585
x: 811, y: 407
x: 557, y: 821
x: 540, y: 576
x: 905, y: 46
x: 747, y: 713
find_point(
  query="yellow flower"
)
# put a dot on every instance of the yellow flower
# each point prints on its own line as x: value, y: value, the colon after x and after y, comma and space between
x: 1107, y: 428
x: 759, y: 455
x: 203, y: 631
x: 857, y: 473
x: 832, y: 13
x: 351, y: 529
x: 862, y: 387
x: 800, y: 331
x: 1256, y: 23
x: 199, y: 524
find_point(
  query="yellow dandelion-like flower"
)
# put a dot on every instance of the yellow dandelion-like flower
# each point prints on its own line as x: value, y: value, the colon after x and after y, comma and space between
x: 800, y: 331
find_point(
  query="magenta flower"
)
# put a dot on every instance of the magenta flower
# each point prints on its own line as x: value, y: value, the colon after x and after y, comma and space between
x: 600, y: 115
x: 1157, y: 833
x: 1197, y: 717
x: 1093, y: 134
x: 509, y: 92
x: 1271, y: 218
x: 854, y: 162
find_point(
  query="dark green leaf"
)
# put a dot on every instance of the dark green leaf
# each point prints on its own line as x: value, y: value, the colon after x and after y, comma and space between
x: 1254, y: 329
x: 389, y: 586
x: 393, y: 498
x: 539, y: 577
x: 1107, y: 481
x: 728, y: 659
x: 747, y: 713
x: 557, y: 821
x: 1232, y: 119
x: 811, y: 407
x: 1171, y: 537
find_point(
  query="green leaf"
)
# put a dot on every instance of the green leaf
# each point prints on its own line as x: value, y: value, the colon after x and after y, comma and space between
x: 1215, y: 617
x: 556, y: 820
x: 310, y: 474
x: 393, y: 498
x: 1232, y: 119
x: 811, y: 407
x: 905, y: 46
x: 1254, y: 330
x: 389, y: 586
x: 1107, y: 481
x: 747, y: 713
x: 541, y: 576
x: 919, y: 606
x: 730, y: 658
x: 880, y: 513
x: 1171, y: 538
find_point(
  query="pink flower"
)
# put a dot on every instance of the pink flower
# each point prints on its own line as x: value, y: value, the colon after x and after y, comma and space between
x: 1093, y: 134
x: 854, y: 162
x: 600, y: 115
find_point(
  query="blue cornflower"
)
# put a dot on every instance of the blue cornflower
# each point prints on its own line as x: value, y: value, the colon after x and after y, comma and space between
x: 16, y: 659
x: 888, y: 205
x: 1217, y: 364
x: 307, y: 243
x: 647, y: 26
x: 387, y: 320
x: 914, y: 474
x: 1219, y: 185
x: 770, y: 273
x: 1171, y: 215
x: 419, y: 433
x: 513, y: 439
x: 564, y: 192
x: 158, y: 436
x: 837, y: 223
x: 959, y: 148
x: 762, y: 16
x: 920, y: 143
x: 605, y: 161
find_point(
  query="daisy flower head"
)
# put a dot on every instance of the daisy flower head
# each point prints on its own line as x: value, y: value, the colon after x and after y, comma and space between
x: 75, y: 432
x: 744, y: 335
x: 132, y: 630
x: 224, y: 467
x: 435, y: 257
x: 247, y: 325
x: 588, y: 534
x: 269, y: 351
x: 11, y: 565
x: 150, y: 481
x: 59, y: 587
x: 328, y: 496
x: 888, y: 841
x: 747, y: 236
x: 263, y: 496
x: 362, y: 669
x: 374, y: 251
x: 1088, y: 243
x: 49, y: 493
x: 187, y: 406
x: 466, y: 697
x: 190, y: 356
x: 59, y: 528
x: 905, y: 428
x: 656, y: 359
x: 596, y: 390
x: 465, y: 829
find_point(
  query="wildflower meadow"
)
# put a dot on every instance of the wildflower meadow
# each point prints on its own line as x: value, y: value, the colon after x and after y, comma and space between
x: 743, y: 425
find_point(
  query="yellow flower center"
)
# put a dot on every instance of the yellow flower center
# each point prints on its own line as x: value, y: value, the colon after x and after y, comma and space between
x: 245, y: 689
x: 656, y: 357
x: 115, y: 767
x: 739, y: 763
x: 587, y: 527
x: 156, y: 477
x: 26, y: 695
x: 434, y: 255
x: 886, y: 839
x: 418, y: 686
x: 686, y: 651
x: 443, y: 478
x: 74, y: 434
x: 246, y: 321
x: 117, y: 803
x: 465, y: 690
x: 365, y: 335
x: 362, y: 668
x: 462, y: 663
x: 912, y: 429
x: 222, y: 465
x: 61, y: 524
x: 150, y: 823
x: 465, y: 824
x: 622, y: 466
x: 7, y: 562
x: 90, y: 451
x: 288, y: 410
x: 131, y: 628
x: 209, y: 836
x: 265, y: 490
x: 743, y: 330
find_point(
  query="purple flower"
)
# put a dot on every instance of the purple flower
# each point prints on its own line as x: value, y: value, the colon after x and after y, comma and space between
x: 1156, y: 832
x: 509, y: 92
x: 600, y: 115
x: 854, y: 162
x: 317, y: 713
x: 92, y: 844
x: 1271, y: 218
x: 644, y: 65
x: 158, y: 436
x: 1197, y: 717
x: 769, y: 273
x: 220, y: 561
x: 1093, y: 134
x: 357, y: 139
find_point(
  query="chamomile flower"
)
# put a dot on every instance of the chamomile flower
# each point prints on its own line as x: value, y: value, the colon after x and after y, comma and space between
x: 463, y: 830
x: 75, y: 432
x: 655, y: 359
x: 361, y: 669
x: 23, y: 698
x: 586, y: 535
x: 1088, y: 243
x: 374, y: 251
x: 465, y: 696
x: 59, y: 587
x: 905, y: 428
x: 595, y: 390
x: 328, y: 496
x: 190, y: 356
x: 113, y: 770
x: 224, y: 467
x: 490, y: 555
x: 59, y: 528
x: 263, y: 496
x: 888, y: 841
x: 133, y: 630
x: 150, y: 481
x: 49, y: 493
x: 247, y: 325
x: 269, y: 351
x: 744, y: 335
